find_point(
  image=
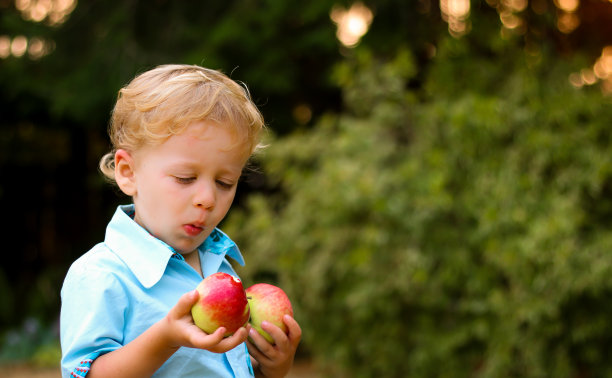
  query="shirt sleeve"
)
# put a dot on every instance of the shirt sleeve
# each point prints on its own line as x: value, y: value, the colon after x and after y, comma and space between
x: 92, y: 317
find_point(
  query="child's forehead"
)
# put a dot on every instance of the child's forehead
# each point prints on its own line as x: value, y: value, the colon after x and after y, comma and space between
x: 225, y: 137
x: 207, y: 130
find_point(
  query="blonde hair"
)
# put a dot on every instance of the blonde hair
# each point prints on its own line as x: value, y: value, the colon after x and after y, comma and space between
x: 163, y: 101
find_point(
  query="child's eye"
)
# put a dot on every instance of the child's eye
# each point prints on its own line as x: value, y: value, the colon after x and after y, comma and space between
x: 184, y: 180
x: 225, y: 185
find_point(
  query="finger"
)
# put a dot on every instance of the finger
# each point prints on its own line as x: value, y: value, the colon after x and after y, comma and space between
x: 254, y: 362
x: 262, y: 345
x: 203, y: 340
x: 238, y: 337
x: 278, y: 335
x: 184, y: 304
x: 257, y: 338
x: 232, y: 341
x: 294, y: 330
x: 255, y: 352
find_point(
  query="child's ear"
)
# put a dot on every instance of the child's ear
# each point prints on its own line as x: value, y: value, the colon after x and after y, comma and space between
x: 124, y: 172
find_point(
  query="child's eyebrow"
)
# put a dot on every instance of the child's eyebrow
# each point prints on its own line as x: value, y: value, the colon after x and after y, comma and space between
x: 195, y: 167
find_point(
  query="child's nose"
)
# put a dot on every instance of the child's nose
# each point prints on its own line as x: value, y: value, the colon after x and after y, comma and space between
x: 205, y: 196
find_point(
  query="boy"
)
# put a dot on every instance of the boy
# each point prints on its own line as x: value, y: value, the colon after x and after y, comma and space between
x: 181, y: 136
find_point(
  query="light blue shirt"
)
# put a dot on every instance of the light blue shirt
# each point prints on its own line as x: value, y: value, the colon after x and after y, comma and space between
x: 121, y: 287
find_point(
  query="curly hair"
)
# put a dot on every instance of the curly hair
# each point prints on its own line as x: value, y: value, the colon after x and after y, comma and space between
x: 165, y: 100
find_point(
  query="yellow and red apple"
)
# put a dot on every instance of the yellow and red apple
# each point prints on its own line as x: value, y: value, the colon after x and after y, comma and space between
x: 222, y: 303
x: 268, y: 303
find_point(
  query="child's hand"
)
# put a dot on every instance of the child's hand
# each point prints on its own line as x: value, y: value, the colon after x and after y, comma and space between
x: 275, y: 360
x: 181, y: 331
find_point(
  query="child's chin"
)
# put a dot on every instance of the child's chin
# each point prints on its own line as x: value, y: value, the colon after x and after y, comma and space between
x: 186, y: 249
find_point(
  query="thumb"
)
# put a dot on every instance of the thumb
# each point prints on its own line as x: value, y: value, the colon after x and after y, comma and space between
x: 185, y: 302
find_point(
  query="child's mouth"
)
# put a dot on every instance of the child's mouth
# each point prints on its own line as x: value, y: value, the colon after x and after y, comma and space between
x: 192, y: 230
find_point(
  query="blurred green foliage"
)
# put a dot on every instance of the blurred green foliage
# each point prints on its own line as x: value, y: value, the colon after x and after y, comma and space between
x: 459, y: 230
x: 32, y: 342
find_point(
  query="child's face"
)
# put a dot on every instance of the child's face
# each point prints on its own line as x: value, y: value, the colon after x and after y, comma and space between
x: 184, y: 187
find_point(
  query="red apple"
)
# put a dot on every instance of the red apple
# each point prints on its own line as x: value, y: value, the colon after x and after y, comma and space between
x: 269, y: 303
x: 222, y: 303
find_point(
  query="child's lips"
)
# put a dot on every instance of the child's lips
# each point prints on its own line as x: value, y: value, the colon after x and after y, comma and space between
x: 193, y: 229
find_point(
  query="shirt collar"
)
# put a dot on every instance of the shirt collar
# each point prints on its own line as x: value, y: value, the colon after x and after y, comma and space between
x: 147, y: 256
x: 220, y: 244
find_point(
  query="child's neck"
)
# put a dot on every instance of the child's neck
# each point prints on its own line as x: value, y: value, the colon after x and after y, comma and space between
x: 193, y: 259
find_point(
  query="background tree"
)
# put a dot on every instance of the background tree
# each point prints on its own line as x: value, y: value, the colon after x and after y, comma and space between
x: 429, y: 236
